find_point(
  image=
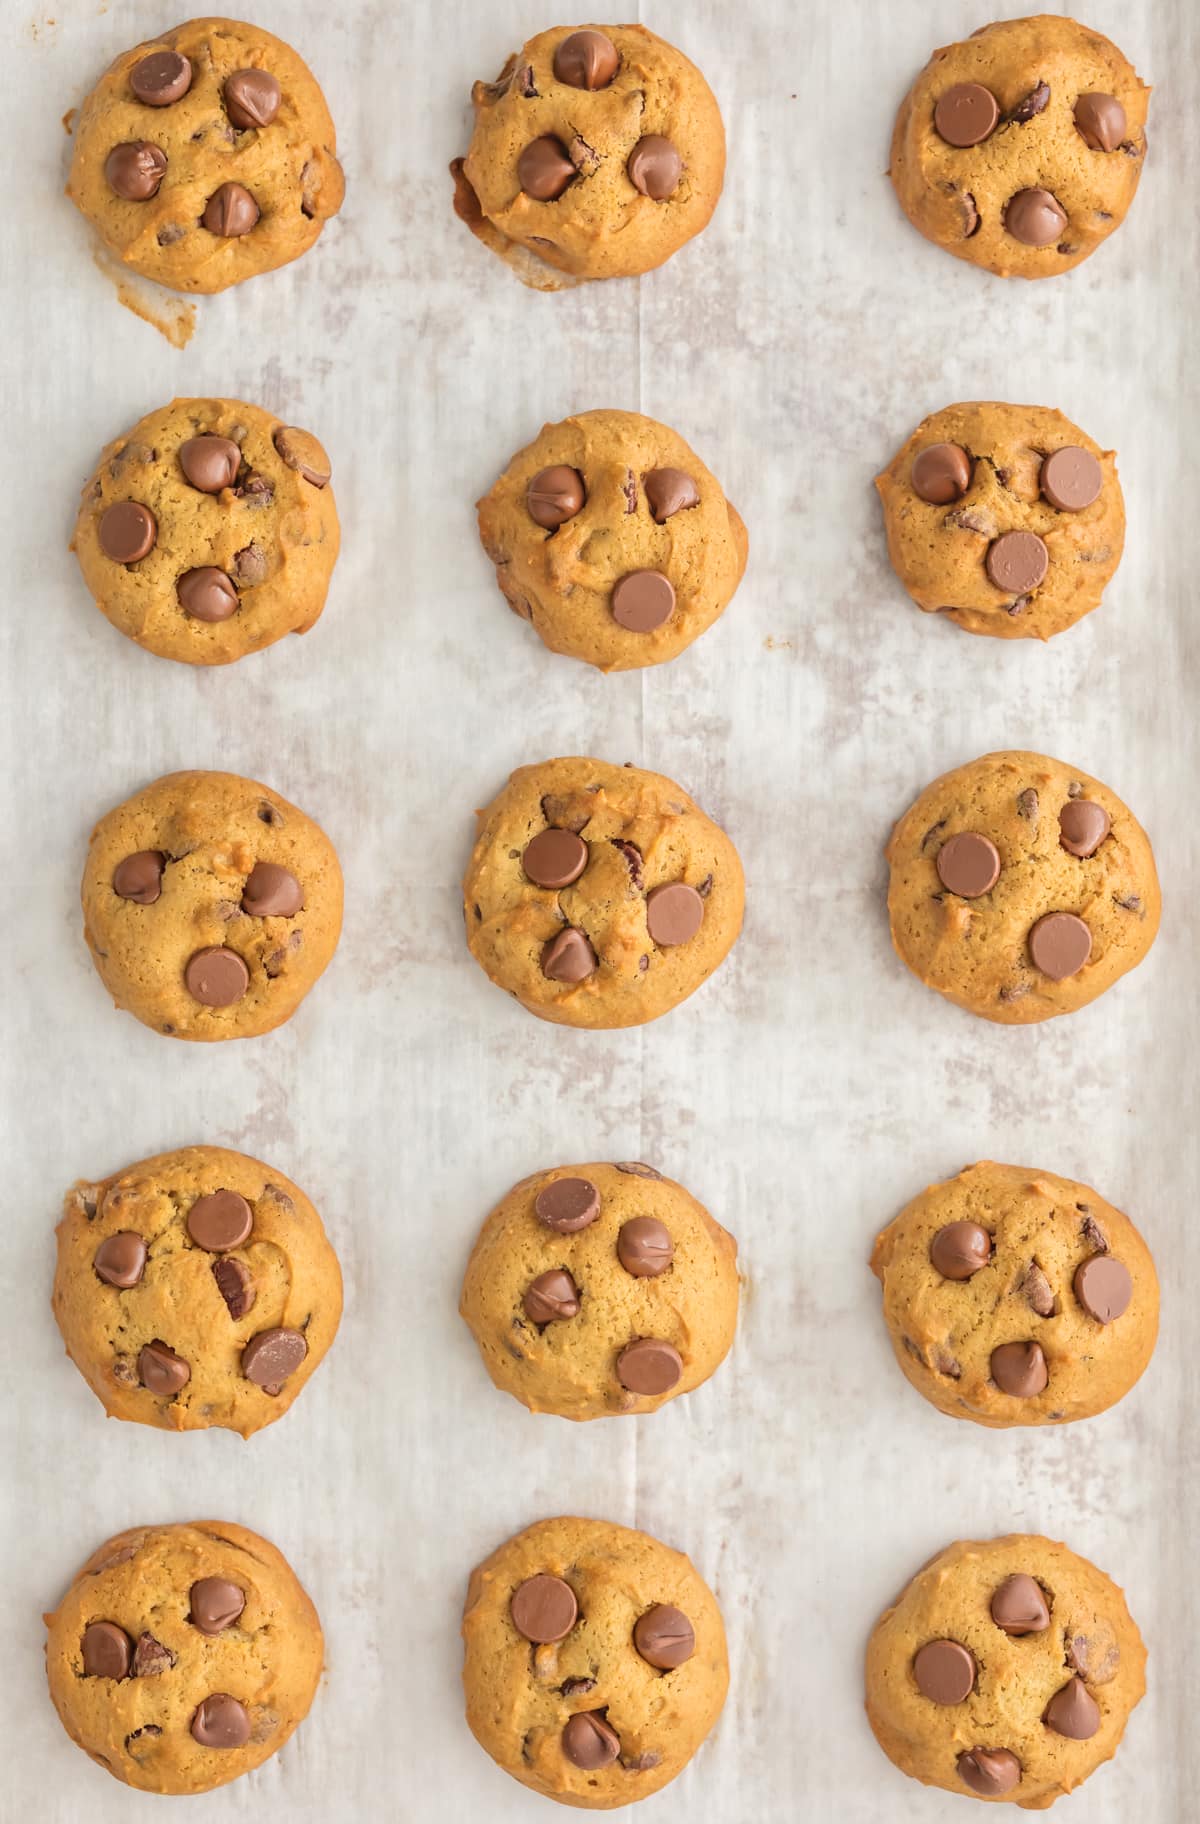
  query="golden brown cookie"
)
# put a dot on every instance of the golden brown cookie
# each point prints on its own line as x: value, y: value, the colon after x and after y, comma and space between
x: 206, y: 155
x: 197, y: 1288
x: 1013, y: 1297
x: 595, y: 1661
x: 600, y: 149
x: 599, y: 895
x: 600, y: 1289
x: 1020, y: 149
x: 1006, y: 1670
x: 210, y: 905
x: 183, y: 1656
x: 1006, y: 518
x: 1021, y: 888
x: 209, y: 531
x: 613, y: 540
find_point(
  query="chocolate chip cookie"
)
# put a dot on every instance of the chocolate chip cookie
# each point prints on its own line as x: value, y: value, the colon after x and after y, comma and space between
x: 210, y: 905
x: 209, y: 531
x: 183, y: 1656
x: 595, y: 1661
x: 197, y: 1288
x: 1006, y: 518
x: 1007, y: 1669
x: 1013, y: 1297
x: 1021, y: 888
x: 599, y: 149
x: 613, y: 540
x: 1020, y: 149
x: 207, y: 155
x: 599, y: 895
x: 600, y: 1289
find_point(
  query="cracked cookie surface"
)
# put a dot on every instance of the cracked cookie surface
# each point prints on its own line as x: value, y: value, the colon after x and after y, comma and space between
x: 210, y: 905
x: 1020, y: 887
x: 196, y: 1288
x: 1014, y: 1297
x: 590, y: 518
x: 599, y: 895
x: 1006, y: 1670
x: 972, y: 475
x: 596, y: 1684
x: 239, y: 520
x: 183, y: 1656
x: 1020, y: 148
x: 207, y: 155
x: 600, y: 149
x: 600, y: 1289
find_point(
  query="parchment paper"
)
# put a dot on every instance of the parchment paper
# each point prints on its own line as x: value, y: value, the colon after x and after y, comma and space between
x: 804, y: 1095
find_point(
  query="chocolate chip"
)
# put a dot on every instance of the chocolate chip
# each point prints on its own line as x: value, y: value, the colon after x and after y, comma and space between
x: 135, y: 169
x: 669, y: 491
x: 576, y: 1687
x: 1037, y: 1291
x: 127, y: 531
x: 1091, y: 1231
x: 555, y: 495
x: 231, y: 211
x: 968, y: 864
x: 644, y: 1247
x: 216, y: 977
x: 543, y: 169
x: 588, y: 1741
x: 959, y: 1249
x: 139, y: 877
x: 990, y: 1772
x: 220, y: 1221
x: 664, y: 1637
x: 1095, y: 1657
x: 210, y: 463
x: 585, y: 158
x: 1073, y: 1712
x: 1060, y: 945
x: 568, y: 957
x: 207, y: 594
x: 160, y: 1370
x: 1020, y: 1369
x: 1017, y: 562
x: 567, y: 1205
x: 543, y: 1608
x: 216, y: 1604
x: 654, y: 167
x: 235, y: 1286
x: 251, y: 565
x: 161, y: 78
x: 150, y: 1657
x: 252, y: 98
x: 107, y: 1650
x: 586, y: 60
x: 1104, y: 1287
x: 633, y: 861
x: 1082, y: 826
x: 554, y: 858
x: 1032, y: 104
x: 633, y: 1168
x: 272, y: 1356
x: 1101, y: 121
x: 146, y: 1732
x: 1019, y: 1606
x: 301, y: 451
x: 1034, y: 218
x: 649, y: 1366
x: 120, y: 1260
x: 1027, y: 804
x: 642, y: 600
x: 221, y: 1722
x: 970, y: 214
x: 966, y: 114
x: 551, y: 1298
x: 941, y: 473
x: 1071, y: 479
x: 272, y: 892
x: 630, y: 491
x: 944, y: 1671
x: 674, y: 913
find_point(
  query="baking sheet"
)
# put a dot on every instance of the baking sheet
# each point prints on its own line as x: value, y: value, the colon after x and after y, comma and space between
x: 804, y: 1095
